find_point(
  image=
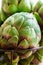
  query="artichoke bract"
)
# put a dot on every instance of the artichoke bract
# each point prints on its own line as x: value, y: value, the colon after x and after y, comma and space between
x: 24, y: 6
x: 10, y: 6
x: 20, y: 30
x: 37, y: 8
x: 39, y: 53
x: 36, y: 62
x: 26, y: 61
x: 3, y: 17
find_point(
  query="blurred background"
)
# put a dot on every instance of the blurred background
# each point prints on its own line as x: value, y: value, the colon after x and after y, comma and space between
x: 0, y: 3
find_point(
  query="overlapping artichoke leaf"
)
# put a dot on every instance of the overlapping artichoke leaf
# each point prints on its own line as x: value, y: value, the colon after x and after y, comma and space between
x: 11, y: 35
x: 39, y: 53
x: 39, y: 19
x: 3, y: 17
x: 10, y: 6
x: 35, y: 61
x: 25, y: 55
x: 27, y: 61
x: 24, y: 6
x: 37, y: 7
x: 15, y: 59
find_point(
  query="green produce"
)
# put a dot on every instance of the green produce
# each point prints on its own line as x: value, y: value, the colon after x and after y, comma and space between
x: 20, y: 31
x: 23, y: 26
x: 10, y: 6
x: 25, y: 6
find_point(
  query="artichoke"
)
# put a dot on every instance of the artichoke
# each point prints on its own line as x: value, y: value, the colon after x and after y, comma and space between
x: 21, y: 30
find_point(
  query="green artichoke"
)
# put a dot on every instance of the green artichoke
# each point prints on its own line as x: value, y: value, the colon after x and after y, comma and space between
x: 21, y: 30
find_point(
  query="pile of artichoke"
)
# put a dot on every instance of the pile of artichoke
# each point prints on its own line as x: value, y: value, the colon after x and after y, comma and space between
x: 21, y: 31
